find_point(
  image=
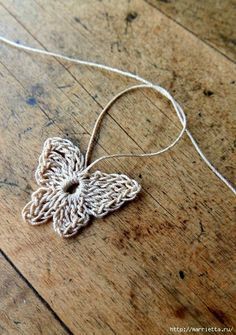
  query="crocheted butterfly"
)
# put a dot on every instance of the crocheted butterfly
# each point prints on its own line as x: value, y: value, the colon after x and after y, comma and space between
x: 69, y: 195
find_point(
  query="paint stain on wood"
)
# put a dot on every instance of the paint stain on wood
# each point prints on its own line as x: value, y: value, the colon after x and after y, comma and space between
x: 180, y: 313
x: 208, y: 93
x: 31, y: 101
x: 131, y: 16
x: 181, y: 274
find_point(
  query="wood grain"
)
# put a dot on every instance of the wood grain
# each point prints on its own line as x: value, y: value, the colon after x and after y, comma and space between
x: 213, y: 21
x: 167, y: 258
x: 21, y: 311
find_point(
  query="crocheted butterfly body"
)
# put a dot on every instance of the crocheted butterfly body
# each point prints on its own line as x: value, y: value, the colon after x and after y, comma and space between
x: 69, y: 195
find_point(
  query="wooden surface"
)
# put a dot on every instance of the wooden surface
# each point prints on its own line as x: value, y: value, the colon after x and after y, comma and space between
x: 212, y: 21
x: 166, y: 259
x: 22, y: 311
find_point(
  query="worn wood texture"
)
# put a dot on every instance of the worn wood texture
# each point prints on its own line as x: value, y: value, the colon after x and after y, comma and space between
x: 165, y: 259
x: 213, y: 21
x: 22, y: 312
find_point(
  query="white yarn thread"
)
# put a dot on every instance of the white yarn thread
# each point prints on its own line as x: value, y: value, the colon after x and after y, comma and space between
x: 178, y: 109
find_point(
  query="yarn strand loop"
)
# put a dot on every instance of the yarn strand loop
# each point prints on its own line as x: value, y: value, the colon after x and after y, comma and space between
x: 145, y: 84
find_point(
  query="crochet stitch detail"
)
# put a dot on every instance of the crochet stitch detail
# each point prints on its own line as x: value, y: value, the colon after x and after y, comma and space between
x: 69, y: 195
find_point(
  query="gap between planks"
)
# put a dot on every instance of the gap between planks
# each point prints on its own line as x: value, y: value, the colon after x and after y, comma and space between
x: 42, y: 300
x: 190, y: 32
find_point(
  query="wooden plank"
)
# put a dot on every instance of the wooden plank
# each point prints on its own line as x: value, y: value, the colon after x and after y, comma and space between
x: 212, y: 21
x: 21, y: 310
x: 165, y: 259
x: 198, y: 87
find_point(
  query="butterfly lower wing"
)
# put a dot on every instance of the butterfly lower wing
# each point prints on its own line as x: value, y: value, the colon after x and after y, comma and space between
x: 104, y: 192
x: 70, y: 216
x: 59, y: 158
x: 41, y: 207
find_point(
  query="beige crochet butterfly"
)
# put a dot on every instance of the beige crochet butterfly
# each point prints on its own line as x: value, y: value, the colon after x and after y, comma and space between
x: 68, y: 194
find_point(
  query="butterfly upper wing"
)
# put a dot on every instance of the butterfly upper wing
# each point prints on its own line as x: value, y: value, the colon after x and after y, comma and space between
x: 60, y: 158
x: 104, y: 192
